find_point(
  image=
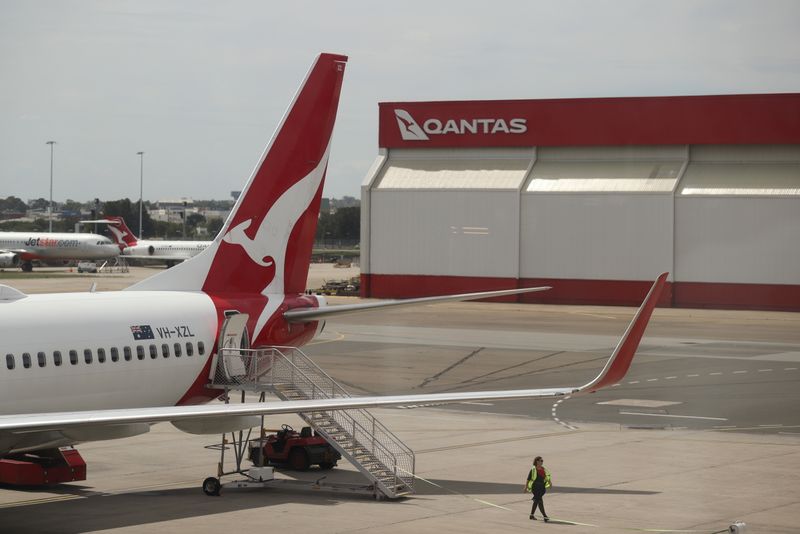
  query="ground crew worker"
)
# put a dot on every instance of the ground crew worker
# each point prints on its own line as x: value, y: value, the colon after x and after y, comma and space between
x: 537, y: 483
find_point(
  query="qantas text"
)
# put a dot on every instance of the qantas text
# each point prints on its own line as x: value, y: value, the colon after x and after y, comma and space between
x: 485, y: 126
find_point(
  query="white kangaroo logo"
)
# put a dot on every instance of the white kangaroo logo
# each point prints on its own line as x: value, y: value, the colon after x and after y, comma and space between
x: 119, y: 234
x: 269, y: 245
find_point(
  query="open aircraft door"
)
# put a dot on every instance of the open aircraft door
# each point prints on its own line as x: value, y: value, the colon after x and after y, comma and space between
x: 233, y: 336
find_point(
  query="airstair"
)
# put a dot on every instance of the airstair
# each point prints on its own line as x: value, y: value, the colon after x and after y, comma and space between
x: 358, y: 436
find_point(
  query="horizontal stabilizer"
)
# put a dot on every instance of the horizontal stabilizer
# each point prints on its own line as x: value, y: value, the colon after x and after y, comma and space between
x: 299, y: 315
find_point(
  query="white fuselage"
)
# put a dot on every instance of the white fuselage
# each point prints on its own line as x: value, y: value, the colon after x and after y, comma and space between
x: 58, y: 246
x: 166, y: 249
x: 82, y: 353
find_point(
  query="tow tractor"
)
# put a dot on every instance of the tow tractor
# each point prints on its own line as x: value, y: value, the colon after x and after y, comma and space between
x: 298, y: 450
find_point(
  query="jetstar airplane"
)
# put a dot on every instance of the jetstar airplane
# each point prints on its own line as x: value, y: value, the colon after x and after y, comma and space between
x: 94, y: 366
x: 20, y: 248
x: 171, y: 252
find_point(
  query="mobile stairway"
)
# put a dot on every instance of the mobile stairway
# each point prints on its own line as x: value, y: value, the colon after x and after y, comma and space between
x: 289, y: 374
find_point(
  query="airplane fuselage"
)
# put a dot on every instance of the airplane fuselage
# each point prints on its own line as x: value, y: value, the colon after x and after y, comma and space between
x: 166, y: 249
x: 129, y: 349
x: 58, y: 246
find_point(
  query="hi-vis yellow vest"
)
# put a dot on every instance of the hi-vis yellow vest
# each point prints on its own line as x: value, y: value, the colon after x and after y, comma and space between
x: 534, y: 475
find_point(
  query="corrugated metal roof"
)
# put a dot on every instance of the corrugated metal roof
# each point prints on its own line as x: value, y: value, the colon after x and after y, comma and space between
x: 453, y: 174
x: 781, y: 179
x: 604, y: 176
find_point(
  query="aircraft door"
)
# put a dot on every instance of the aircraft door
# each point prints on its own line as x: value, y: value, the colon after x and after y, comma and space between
x: 234, y: 336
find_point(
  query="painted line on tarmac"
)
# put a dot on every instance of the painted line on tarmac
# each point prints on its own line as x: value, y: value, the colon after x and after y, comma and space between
x: 454, y: 492
x: 339, y: 338
x: 726, y: 429
x: 555, y: 417
x: 43, y: 500
x: 675, y: 416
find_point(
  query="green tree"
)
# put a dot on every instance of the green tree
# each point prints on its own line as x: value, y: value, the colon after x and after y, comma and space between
x: 13, y: 204
x: 39, y: 204
x: 348, y: 223
x: 214, y: 226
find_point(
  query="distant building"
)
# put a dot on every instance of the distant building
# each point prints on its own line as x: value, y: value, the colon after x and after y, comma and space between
x: 592, y: 196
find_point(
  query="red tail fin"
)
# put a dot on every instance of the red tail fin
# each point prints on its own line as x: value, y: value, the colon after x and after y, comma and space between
x: 265, y: 246
x: 123, y: 236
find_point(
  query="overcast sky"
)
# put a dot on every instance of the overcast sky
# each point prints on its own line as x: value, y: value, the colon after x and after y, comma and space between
x: 199, y: 86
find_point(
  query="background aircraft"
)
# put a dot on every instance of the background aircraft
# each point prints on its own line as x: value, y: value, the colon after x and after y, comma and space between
x: 171, y: 252
x: 20, y: 248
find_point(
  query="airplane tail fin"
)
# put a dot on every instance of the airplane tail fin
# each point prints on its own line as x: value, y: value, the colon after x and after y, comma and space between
x: 122, y: 235
x: 265, y: 245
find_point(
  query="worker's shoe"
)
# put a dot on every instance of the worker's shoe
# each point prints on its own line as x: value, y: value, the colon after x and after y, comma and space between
x: 546, y: 519
x: 533, y: 517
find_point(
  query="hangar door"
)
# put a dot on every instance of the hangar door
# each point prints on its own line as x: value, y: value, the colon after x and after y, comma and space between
x: 447, y: 212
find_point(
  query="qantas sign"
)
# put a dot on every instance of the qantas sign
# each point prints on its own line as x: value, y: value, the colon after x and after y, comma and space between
x: 410, y: 130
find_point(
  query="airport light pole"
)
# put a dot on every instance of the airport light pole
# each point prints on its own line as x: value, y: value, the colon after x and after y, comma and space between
x: 141, y: 183
x: 50, y: 206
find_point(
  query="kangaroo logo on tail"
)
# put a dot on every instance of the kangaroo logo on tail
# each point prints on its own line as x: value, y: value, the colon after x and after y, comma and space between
x: 120, y: 231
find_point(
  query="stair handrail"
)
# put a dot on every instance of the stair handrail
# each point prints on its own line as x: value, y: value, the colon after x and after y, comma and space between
x: 274, y: 353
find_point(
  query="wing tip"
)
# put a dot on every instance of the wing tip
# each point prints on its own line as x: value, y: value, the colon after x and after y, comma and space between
x: 620, y: 361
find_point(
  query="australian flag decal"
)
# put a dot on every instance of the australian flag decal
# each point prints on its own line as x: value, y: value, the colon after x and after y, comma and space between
x: 142, y: 332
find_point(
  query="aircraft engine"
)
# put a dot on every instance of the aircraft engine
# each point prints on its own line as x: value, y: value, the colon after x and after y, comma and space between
x: 9, y: 259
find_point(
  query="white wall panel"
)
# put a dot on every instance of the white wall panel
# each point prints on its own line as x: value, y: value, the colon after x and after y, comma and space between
x: 452, y: 233
x: 737, y: 240
x: 596, y: 237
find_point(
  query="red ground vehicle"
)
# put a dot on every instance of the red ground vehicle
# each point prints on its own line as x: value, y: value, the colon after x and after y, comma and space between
x: 296, y: 450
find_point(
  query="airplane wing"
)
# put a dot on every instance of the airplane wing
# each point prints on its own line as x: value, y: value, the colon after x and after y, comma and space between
x: 614, y: 370
x: 300, y: 315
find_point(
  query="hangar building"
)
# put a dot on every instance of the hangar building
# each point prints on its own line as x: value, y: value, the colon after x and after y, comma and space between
x: 594, y: 196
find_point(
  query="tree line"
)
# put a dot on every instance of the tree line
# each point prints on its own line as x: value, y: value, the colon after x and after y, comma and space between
x: 344, y: 225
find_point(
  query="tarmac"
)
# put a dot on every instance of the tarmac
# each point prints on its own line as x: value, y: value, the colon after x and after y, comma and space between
x: 657, y: 469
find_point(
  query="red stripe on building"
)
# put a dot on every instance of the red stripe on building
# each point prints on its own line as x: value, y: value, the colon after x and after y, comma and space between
x: 669, y: 120
x: 774, y: 297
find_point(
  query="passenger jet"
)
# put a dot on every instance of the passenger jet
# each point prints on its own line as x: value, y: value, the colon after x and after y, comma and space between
x: 170, y: 252
x: 18, y: 249
x: 79, y: 367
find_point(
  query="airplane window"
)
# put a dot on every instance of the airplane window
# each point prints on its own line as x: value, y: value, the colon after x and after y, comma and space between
x: 127, y: 352
x: 87, y: 355
x: 177, y: 350
x: 201, y: 349
x: 101, y: 355
x: 57, y: 357
x: 42, y: 359
x: 165, y: 350
x: 140, y: 352
x: 189, y: 349
x: 26, y: 360
x: 114, y: 354
x: 73, y: 357
x: 10, y: 361
x: 153, y: 352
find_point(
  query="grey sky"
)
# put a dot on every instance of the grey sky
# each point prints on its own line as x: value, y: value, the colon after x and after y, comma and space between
x: 200, y: 85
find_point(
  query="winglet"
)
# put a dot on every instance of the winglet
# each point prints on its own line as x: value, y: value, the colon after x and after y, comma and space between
x: 619, y: 362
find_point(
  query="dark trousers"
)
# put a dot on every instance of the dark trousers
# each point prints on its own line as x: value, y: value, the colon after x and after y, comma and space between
x: 538, y: 500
